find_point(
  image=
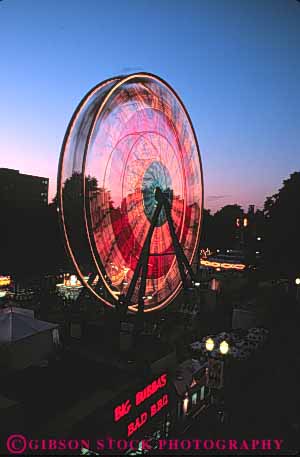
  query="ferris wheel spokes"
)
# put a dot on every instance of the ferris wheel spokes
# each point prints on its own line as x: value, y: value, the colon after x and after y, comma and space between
x: 142, y: 266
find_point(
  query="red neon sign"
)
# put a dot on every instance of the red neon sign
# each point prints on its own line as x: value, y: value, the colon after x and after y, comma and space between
x: 124, y: 408
x: 121, y: 410
x: 151, y: 389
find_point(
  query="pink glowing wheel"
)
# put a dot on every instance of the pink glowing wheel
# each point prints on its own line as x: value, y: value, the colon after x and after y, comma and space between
x: 129, y: 136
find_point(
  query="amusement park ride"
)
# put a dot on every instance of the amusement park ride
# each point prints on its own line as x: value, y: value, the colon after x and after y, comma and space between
x: 130, y: 193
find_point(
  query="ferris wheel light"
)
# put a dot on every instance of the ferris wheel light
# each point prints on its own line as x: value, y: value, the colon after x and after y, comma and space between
x: 209, y: 344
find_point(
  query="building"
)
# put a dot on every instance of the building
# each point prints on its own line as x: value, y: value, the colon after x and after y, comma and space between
x: 192, y: 393
x: 22, y: 191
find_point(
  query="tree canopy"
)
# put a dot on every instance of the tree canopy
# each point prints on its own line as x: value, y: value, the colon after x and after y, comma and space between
x: 282, y: 227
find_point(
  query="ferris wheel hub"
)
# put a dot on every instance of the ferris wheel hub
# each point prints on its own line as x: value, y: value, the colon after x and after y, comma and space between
x: 156, y: 177
x: 158, y: 195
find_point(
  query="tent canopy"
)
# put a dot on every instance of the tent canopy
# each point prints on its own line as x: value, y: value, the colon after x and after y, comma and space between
x: 18, y: 323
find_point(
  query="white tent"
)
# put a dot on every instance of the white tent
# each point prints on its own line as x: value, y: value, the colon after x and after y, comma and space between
x: 24, y: 340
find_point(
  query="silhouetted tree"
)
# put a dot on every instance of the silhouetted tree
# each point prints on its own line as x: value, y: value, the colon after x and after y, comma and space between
x: 225, y: 223
x: 282, y: 243
x: 207, y: 238
x: 72, y: 196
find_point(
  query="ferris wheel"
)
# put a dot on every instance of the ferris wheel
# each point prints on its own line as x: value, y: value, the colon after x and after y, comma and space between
x: 130, y: 192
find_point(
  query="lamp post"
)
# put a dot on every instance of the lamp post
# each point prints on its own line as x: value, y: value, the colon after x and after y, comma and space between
x: 216, y: 373
x: 297, y: 282
x: 224, y: 347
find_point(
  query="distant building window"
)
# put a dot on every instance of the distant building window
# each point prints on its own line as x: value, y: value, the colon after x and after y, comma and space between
x: 55, y: 336
x: 202, y: 393
x: 194, y: 398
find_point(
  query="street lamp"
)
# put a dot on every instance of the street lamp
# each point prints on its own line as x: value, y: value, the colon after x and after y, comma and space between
x: 209, y: 344
x: 297, y: 282
x: 224, y: 347
x: 2, y: 297
x: 73, y: 280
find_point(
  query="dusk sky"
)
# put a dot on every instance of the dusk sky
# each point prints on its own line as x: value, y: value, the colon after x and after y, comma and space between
x: 234, y: 63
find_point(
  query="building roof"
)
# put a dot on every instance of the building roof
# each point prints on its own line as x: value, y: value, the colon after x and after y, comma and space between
x: 186, y: 371
x: 18, y: 323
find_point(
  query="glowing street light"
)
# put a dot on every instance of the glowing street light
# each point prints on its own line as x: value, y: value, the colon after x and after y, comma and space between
x: 73, y: 280
x: 209, y: 344
x: 224, y: 347
x: 297, y: 281
x: 185, y: 405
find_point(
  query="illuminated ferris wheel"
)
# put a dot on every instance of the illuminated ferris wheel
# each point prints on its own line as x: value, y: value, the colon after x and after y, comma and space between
x: 130, y: 192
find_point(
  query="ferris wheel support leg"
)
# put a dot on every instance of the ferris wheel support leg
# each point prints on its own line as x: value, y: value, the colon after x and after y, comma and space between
x: 180, y: 255
x: 144, y: 256
x: 142, y: 269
